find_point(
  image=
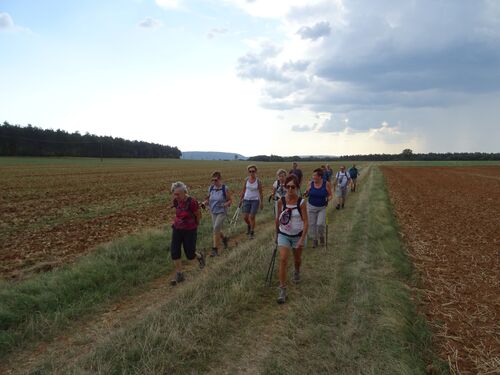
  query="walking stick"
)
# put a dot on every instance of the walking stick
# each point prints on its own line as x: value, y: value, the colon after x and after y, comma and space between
x: 326, y: 228
x: 270, y: 270
x: 236, y: 215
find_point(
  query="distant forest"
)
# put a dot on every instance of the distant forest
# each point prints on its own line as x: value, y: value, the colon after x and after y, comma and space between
x: 32, y: 141
x: 405, y: 155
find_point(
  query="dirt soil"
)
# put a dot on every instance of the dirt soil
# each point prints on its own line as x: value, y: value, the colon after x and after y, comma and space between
x: 51, y: 214
x: 450, y: 220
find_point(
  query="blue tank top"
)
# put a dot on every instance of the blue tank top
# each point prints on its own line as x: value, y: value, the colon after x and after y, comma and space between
x: 318, y: 197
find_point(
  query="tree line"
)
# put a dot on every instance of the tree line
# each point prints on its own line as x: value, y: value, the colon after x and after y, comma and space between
x: 406, y: 154
x: 16, y: 140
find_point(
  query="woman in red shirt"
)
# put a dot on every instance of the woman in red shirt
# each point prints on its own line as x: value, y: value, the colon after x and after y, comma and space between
x: 184, y: 229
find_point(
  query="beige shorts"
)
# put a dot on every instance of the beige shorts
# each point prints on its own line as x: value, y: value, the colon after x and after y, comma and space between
x: 218, y: 221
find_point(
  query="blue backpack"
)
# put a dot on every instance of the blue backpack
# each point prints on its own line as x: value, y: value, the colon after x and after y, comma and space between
x: 223, y: 188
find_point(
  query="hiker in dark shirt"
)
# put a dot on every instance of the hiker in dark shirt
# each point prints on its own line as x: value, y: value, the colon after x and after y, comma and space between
x: 298, y: 173
x: 353, y: 172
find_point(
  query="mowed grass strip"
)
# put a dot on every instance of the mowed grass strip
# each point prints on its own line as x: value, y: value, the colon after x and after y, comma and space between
x: 184, y: 333
x: 41, y: 307
x: 353, y: 312
x: 359, y: 316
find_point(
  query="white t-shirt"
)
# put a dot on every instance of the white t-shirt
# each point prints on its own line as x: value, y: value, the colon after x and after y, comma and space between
x: 295, y: 225
x: 342, y: 178
x: 252, y: 190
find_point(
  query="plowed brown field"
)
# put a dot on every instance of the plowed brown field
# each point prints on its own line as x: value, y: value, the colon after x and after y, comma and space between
x: 450, y: 218
x: 54, y: 210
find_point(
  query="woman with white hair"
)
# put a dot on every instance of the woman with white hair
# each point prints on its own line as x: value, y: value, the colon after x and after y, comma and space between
x: 184, y: 229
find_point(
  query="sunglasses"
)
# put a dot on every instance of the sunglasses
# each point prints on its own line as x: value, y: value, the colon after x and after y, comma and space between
x: 291, y: 187
x: 252, y: 171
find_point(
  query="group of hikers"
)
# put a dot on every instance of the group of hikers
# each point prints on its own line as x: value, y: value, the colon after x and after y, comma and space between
x: 300, y: 212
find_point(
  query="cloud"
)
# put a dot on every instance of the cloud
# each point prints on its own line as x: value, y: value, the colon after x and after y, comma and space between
x: 304, y: 128
x: 216, y: 31
x: 384, y: 56
x: 150, y: 23
x: 255, y: 65
x: 298, y: 66
x: 7, y: 23
x: 315, y: 32
x: 168, y: 4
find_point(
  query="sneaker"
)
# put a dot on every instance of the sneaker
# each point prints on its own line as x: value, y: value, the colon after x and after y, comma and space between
x: 296, y: 276
x: 179, y: 278
x: 337, y: 206
x: 214, y: 252
x: 251, y: 235
x: 201, y: 260
x: 322, y: 240
x: 282, y: 296
x: 315, y: 244
x: 225, y: 241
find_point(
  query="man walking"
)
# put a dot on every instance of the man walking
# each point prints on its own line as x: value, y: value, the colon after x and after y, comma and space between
x: 353, y: 173
x: 342, y: 180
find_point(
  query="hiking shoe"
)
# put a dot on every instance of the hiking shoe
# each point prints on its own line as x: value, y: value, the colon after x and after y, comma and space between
x: 322, y: 240
x: 225, y: 241
x: 282, y: 296
x: 201, y: 260
x: 337, y: 206
x: 179, y: 278
x: 214, y: 252
x: 251, y: 235
x: 315, y: 244
x: 296, y: 276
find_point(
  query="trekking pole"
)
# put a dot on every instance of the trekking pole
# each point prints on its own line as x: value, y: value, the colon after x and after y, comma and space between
x: 236, y: 215
x: 326, y: 228
x: 270, y: 270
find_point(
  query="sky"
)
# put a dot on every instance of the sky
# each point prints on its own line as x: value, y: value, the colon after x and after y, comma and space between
x: 254, y: 77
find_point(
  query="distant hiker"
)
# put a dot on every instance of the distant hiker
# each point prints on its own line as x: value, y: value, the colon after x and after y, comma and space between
x: 353, y: 172
x: 325, y: 175
x: 342, y: 179
x: 297, y: 172
x: 252, y: 197
x: 329, y: 172
x: 184, y: 229
x: 319, y: 193
x: 291, y: 227
x: 279, y: 189
x: 218, y: 200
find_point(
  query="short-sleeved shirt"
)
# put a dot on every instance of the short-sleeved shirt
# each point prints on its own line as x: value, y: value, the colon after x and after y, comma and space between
x: 297, y: 172
x: 184, y: 215
x: 342, y: 179
x: 216, y: 199
x: 353, y: 172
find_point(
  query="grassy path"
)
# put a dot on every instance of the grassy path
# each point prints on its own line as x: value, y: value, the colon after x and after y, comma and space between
x: 351, y: 314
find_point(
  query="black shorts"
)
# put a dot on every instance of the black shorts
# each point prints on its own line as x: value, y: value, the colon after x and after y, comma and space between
x: 185, y: 238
